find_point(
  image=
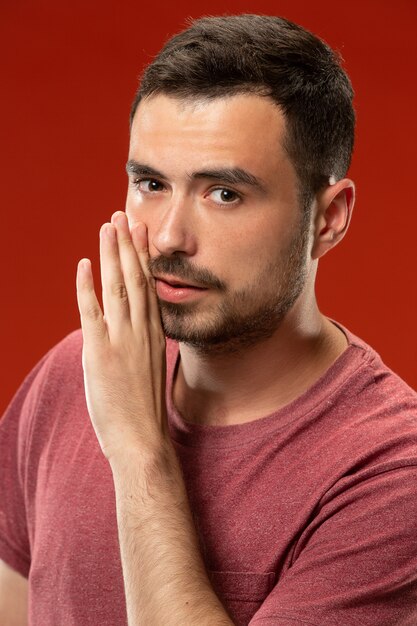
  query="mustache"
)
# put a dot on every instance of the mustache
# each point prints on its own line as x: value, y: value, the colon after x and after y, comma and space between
x: 181, y: 268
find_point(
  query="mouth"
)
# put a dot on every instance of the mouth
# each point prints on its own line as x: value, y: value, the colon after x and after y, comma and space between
x: 177, y: 282
x: 172, y: 289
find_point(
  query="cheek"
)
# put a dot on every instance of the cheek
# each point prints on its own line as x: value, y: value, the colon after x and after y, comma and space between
x: 132, y: 209
x: 135, y: 213
x: 243, y: 255
x: 255, y: 254
x: 136, y: 202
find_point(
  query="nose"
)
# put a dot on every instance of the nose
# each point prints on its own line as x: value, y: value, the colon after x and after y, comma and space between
x: 174, y: 233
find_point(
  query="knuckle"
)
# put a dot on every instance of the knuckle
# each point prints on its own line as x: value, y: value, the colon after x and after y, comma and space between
x: 125, y: 241
x: 138, y: 279
x: 119, y: 291
x: 91, y: 312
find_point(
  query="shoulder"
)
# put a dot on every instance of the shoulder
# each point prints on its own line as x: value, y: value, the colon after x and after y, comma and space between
x: 47, y: 395
x: 68, y: 350
x: 54, y: 376
x: 381, y: 386
x: 373, y: 414
x: 371, y: 381
x: 62, y: 363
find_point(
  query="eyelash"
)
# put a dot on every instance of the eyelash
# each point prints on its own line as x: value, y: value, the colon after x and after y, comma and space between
x: 237, y: 197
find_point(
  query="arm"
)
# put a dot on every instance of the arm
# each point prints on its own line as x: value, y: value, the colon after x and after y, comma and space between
x: 165, y: 577
x: 13, y: 597
x: 124, y: 361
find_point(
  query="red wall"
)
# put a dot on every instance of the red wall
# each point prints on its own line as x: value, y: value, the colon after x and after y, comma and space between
x: 69, y: 72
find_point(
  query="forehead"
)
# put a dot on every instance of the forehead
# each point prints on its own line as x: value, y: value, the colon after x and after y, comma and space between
x: 243, y: 130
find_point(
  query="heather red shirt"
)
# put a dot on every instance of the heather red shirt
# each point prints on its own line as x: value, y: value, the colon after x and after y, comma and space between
x: 307, y: 516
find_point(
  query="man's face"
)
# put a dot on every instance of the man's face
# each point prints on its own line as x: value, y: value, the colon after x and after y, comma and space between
x: 227, y: 237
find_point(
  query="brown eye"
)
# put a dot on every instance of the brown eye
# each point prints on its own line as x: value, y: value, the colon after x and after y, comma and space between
x: 149, y: 185
x: 224, y: 196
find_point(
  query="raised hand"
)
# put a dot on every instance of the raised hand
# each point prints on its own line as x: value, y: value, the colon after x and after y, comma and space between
x: 124, y: 345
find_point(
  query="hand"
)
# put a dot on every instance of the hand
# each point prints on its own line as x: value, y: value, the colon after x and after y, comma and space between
x: 124, y: 349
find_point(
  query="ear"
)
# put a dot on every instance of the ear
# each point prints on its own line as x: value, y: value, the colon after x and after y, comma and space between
x: 333, y: 211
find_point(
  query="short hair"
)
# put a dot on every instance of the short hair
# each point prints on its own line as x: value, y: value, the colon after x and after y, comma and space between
x: 222, y: 56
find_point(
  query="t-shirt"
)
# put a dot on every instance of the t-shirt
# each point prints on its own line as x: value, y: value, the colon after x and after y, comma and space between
x: 307, y: 516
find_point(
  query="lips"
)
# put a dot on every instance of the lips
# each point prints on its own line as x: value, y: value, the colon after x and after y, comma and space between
x: 173, y: 290
x: 177, y: 283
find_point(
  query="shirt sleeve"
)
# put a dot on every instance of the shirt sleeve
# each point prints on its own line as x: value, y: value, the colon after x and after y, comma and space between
x: 356, y: 563
x: 14, y: 429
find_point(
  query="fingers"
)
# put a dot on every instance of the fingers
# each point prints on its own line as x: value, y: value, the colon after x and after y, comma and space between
x: 115, y: 296
x: 140, y: 243
x: 92, y: 321
x: 139, y: 282
x: 129, y: 297
x: 127, y: 267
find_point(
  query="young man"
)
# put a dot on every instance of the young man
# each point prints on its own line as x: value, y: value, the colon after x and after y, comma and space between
x: 268, y: 475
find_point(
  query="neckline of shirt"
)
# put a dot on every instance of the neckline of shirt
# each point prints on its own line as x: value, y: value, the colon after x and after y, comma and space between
x: 356, y: 355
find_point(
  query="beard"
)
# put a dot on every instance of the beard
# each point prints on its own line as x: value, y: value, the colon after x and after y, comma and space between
x: 241, y: 318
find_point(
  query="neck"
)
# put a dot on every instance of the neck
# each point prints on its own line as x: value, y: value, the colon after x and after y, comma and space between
x: 238, y: 387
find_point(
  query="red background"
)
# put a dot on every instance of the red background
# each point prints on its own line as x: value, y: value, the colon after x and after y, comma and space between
x: 69, y: 74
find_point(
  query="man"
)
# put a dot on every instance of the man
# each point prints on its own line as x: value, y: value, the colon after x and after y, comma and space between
x: 268, y: 475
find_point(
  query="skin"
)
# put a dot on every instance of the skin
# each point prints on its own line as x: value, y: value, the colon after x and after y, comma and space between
x: 236, y: 243
x: 13, y: 597
x: 184, y: 216
x: 191, y: 223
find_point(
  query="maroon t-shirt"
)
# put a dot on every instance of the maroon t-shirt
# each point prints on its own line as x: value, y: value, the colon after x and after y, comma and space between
x: 307, y: 516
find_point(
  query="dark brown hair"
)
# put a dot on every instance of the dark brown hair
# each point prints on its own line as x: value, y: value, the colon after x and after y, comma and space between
x: 271, y: 56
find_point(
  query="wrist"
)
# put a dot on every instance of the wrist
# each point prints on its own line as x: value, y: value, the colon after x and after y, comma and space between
x: 146, y: 468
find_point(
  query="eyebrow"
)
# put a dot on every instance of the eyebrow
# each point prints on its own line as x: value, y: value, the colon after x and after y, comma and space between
x: 228, y: 175
x: 139, y: 169
x: 231, y: 176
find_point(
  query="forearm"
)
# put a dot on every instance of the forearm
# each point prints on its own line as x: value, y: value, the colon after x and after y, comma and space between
x: 165, y: 579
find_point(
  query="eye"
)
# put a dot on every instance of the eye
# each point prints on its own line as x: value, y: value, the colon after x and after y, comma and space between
x: 148, y: 185
x: 224, y: 196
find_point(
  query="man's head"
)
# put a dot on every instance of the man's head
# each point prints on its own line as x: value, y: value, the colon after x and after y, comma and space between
x: 236, y: 131
x: 269, y: 56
